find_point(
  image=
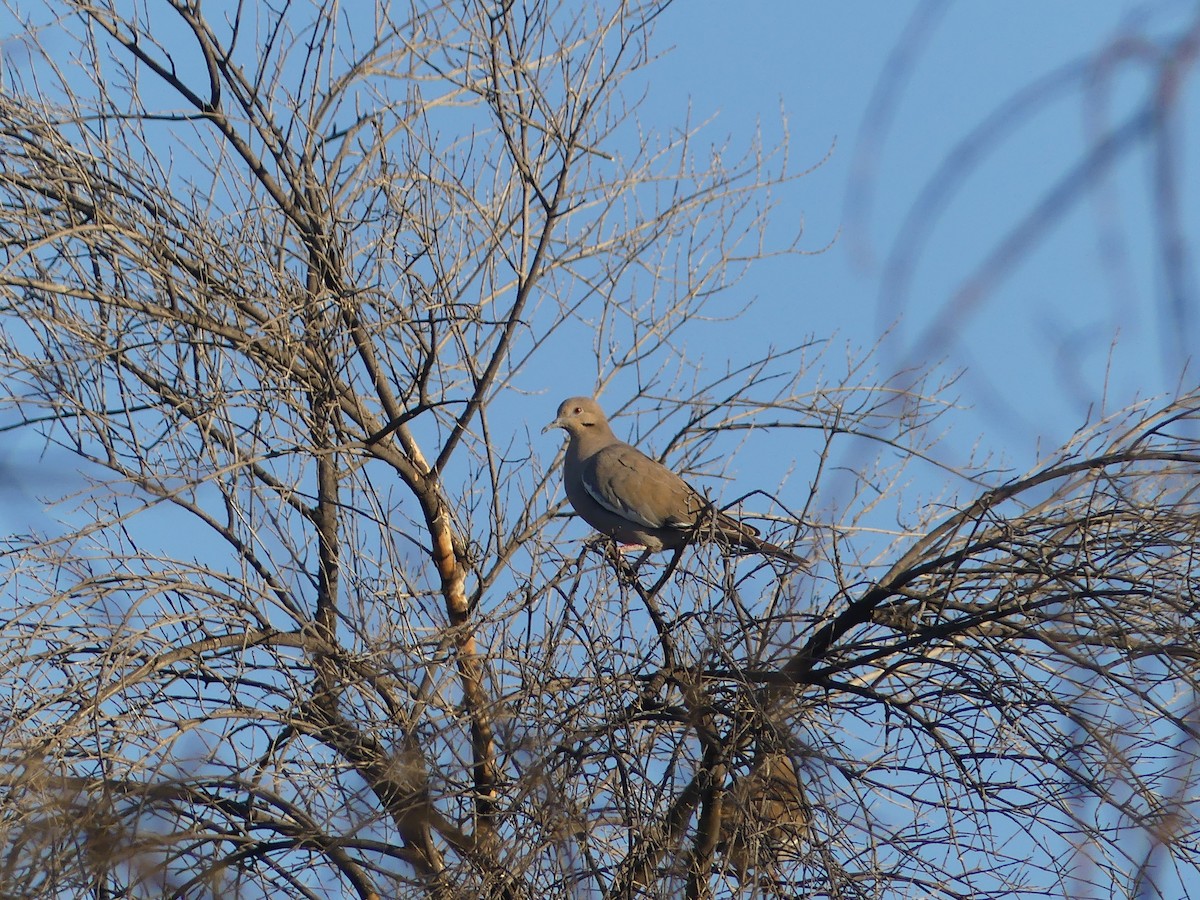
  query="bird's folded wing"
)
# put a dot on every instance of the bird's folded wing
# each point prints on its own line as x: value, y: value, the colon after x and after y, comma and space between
x: 635, y: 487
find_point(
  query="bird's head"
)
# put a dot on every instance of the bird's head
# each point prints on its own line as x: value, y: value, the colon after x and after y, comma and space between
x: 577, y: 415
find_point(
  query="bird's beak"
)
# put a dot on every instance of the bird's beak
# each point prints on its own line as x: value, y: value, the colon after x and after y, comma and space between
x: 557, y: 423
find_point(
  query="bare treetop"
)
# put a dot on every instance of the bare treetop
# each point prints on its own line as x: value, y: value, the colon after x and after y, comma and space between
x: 279, y: 283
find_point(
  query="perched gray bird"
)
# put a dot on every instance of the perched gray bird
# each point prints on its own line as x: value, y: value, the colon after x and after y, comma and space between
x: 623, y: 493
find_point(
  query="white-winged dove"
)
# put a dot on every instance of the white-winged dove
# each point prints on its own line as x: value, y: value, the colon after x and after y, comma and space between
x: 764, y: 817
x: 623, y: 493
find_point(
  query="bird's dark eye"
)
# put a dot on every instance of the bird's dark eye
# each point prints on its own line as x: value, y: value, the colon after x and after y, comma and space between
x: 578, y: 410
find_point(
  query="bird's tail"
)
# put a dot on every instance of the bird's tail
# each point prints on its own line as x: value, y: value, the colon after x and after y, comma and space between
x: 738, y: 535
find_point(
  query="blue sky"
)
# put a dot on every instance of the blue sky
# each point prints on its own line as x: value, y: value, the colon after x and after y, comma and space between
x: 1038, y: 349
